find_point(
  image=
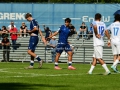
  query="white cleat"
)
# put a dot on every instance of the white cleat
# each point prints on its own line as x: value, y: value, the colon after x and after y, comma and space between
x: 89, y: 73
x: 107, y: 73
x: 40, y: 64
x: 29, y: 67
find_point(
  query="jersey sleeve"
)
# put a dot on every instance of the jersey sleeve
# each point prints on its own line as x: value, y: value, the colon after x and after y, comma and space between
x: 34, y: 23
x: 108, y: 28
x: 59, y: 29
x: 94, y: 23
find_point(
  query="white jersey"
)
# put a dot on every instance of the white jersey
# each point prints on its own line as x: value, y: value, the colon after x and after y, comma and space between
x: 100, y: 29
x: 9, y: 27
x: 115, y: 32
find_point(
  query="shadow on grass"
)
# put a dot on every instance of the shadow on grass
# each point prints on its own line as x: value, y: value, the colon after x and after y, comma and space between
x: 24, y: 86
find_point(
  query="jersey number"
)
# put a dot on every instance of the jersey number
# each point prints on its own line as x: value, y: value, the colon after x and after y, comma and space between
x: 101, y: 30
x: 115, y: 31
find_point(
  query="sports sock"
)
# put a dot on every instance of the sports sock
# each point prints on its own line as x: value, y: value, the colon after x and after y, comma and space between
x: 56, y: 63
x: 115, y: 66
x: 91, y: 69
x: 69, y: 63
x: 116, y: 62
x: 38, y: 58
x: 105, y: 67
x: 31, y: 63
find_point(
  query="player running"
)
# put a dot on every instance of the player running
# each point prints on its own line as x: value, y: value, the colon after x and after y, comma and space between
x: 115, y: 40
x: 64, y: 32
x: 98, y: 33
x: 34, y: 30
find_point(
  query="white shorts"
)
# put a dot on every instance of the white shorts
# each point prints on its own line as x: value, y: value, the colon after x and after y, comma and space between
x: 98, y: 52
x: 115, y: 49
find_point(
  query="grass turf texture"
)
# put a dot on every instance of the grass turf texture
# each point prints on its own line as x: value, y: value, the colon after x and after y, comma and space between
x: 13, y: 76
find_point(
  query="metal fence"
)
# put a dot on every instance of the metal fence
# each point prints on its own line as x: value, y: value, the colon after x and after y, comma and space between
x: 53, y: 15
x: 83, y: 51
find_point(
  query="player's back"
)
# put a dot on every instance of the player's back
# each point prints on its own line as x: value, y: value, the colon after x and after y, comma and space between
x: 100, y: 29
x: 115, y: 30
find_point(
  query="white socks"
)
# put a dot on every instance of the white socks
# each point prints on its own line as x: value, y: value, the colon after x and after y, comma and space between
x: 56, y: 63
x: 115, y: 63
x: 105, y: 67
x: 91, y: 69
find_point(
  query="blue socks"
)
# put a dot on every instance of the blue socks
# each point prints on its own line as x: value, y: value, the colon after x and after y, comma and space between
x: 56, y: 64
x: 69, y: 63
x: 31, y: 63
x: 38, y: 58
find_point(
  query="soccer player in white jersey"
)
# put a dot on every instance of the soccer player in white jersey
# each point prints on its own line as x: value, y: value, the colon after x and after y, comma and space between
x: 115, y: 40
x: 98, y: 33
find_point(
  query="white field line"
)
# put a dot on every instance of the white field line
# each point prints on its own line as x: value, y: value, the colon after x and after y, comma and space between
x: 21, y: 74
x: 44, y: 75
x: 41, y: 68
x: 50, y: 75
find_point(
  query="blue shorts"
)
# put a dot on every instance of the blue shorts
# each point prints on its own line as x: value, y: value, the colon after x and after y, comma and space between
x: 61, y: 47
x: 33, y: 42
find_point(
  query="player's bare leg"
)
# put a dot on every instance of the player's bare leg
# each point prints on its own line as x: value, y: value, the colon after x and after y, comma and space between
x: 56, y: 61
x: 114, y: 59
x: 101, y: 61
x: 92, y: 66
x: 115, y: 64
x: 33, y: 55
x: 70, y: 67
x: 25, y: 32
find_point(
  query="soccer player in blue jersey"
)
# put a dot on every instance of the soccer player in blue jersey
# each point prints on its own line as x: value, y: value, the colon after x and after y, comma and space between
x: 34, y: 30
x: 64, y: 32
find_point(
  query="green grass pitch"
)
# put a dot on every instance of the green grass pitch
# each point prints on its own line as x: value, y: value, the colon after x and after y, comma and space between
x: 13, y: 76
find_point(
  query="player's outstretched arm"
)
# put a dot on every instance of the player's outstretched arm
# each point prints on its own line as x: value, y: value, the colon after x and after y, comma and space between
x: 42, y: 37
x: 54, y: 34
x: 40, y: 32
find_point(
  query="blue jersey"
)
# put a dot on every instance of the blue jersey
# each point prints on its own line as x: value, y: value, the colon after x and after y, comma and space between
x: 63, y: 34
x: 33, y: 24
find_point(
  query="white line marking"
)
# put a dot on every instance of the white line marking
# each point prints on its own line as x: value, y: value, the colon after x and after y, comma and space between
x: 44, y: 75
x: 22, y: 74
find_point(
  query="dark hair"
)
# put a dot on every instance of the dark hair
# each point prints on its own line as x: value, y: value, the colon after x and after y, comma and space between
x: 68, y: 20
x: 27, y: 15
x: 117, y: 17
x: 83, y: 22
x: 47, y: 28
x: 4, y: 27
x: 98, y: 16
